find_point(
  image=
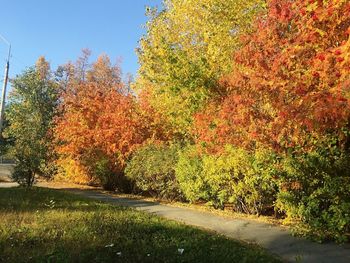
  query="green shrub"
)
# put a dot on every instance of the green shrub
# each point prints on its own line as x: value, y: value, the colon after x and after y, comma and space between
x: 242, y: 179
x: 23, y: 175
x: 105, y: 175
x: 234, y: 177
x: 189, y: 173
x: 152, y: 168
x: 315, y: 190
x: 109, y: 177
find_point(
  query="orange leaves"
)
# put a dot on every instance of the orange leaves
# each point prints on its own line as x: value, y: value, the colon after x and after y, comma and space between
x: 99, y: 120
x: 282, y: 11
x: 290, y: 78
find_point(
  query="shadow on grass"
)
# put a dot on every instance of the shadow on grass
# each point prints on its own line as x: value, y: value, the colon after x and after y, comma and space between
x: 36, y: 198
x: 77, y: 229
x: 96, y: 194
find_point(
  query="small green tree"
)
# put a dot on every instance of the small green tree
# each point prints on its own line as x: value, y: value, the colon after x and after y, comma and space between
x: 30, y: 113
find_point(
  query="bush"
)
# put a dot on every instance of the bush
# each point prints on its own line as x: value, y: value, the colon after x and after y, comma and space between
x: 315, y: 190
x: 233, y: 177
x: 23, y: 175
x: 189, y: 173
x: 152, y: 170
x: 105, y: 175
x: 71, y: 171
x: 110, y: 177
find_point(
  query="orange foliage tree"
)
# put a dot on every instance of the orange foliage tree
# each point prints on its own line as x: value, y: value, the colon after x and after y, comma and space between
x: 100, y: 123
x: 290, y: 85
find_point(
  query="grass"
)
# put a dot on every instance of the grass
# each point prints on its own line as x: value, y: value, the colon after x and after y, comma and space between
x: 44, y: 225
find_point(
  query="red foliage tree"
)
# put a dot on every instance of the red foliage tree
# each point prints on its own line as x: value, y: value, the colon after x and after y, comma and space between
x: 290, y: 81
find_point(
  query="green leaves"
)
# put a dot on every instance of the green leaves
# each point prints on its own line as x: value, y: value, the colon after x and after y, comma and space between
x: 30, y: 113
x: 234, y: 177
x: 152, y: 169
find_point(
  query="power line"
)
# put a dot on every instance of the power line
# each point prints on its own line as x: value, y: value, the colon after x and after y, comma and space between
x: 4, y: 39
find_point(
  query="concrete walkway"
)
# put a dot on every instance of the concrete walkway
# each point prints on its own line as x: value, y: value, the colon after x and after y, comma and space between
x: 7, y: 184
x: 273, y: 238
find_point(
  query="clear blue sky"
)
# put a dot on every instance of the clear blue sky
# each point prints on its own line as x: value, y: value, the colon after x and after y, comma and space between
x: 59, y: 30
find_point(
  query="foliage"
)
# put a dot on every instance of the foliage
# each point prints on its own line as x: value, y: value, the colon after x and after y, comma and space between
x: 256, y: 92
x: 235, y: 177
x: 243, y: 179
x: 159, y: 129
x: 70, y: 170
x: 189, y: 173
x: 152, y: 168
x: 5, y: 142
x: 315, y: 190
x: 43, y: 225
x: 289, y: 85
x: 187, y: 47
x: 32, y: 107
x: 289, y: 91
x: 100, y: 125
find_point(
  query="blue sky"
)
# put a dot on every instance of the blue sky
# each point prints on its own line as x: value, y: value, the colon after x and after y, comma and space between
x: 59, y: 30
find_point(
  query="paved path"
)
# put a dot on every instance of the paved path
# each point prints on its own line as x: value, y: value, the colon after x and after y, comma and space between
x: 5, y: 172
x: 273, y: 238
x: 7, y: 185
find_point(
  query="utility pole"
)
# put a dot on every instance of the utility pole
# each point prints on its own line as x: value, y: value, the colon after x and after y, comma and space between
x: 3, y: 94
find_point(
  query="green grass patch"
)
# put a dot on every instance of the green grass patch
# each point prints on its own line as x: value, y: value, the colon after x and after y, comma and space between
x: 44, y: 225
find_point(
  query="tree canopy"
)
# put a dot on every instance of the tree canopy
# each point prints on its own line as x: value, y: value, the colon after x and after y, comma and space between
x: 30, y: 113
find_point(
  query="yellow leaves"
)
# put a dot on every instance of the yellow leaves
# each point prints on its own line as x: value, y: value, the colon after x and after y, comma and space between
x: 71, y: 171
x: 312, y: 7
x: 321, y: 32
x: 187, y: 48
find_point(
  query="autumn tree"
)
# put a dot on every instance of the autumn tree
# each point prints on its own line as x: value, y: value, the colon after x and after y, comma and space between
x: 289, y: 91
x: 187, y: 47
x: 289, y: 86
x: 32, y: 106
x: 100, y: 124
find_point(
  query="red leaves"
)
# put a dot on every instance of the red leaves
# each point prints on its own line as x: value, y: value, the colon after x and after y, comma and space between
x: 348, y: 31
x: 316, y: 74
x: 289, y: 79
x: 282, y: 11
x: 314, y: 17
x: 330, y: 11
x: 321, y: 57
x: 338, y: 52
